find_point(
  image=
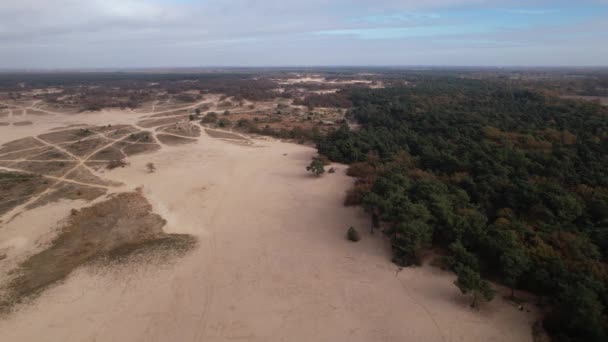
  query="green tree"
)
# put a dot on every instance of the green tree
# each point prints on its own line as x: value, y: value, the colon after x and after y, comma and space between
x: 580, y: 314
x: 514, y: 262
x: 462, y: 256
x: 409, y: 240
x: 316, y: 167
x: 470, y: 282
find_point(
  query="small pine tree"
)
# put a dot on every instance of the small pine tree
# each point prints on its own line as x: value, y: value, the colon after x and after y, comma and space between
x: 353, y: 234
x: 316, y: 167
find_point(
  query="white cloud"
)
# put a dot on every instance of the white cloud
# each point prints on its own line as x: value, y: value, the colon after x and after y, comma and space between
x: 164, y: 32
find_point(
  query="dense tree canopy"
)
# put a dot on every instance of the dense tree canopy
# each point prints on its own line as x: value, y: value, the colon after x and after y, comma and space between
x: 513, y: 183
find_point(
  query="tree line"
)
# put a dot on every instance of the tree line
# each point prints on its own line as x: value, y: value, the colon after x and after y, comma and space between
x: 511, y: 184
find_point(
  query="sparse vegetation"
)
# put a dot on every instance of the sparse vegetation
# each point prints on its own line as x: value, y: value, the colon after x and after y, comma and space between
x: 113, y: 164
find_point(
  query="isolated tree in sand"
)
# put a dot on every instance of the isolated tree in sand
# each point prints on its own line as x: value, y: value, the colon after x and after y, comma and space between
x: 150, y: 167
x: 470, y: 282
x: 316, y: 167
x: 353, y: 235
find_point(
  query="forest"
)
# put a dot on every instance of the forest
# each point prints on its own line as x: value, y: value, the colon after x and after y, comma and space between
x: 508, y: 184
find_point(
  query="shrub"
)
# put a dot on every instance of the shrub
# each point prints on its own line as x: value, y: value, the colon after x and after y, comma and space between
x: 224, y: 123
x: 353, y: 234
x: 316, y: 167
x: 210, y: 118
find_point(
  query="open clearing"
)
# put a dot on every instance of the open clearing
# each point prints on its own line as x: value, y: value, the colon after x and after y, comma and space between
x: 271, y: 263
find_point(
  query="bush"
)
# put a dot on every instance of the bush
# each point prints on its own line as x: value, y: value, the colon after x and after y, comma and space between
x: 224, y: 123
x: 210, y: 118
x: 353, y: 234
x: 316, y: 167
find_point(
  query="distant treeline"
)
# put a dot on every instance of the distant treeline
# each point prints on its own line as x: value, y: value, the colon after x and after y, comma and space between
x: 240, y: 86
x: 511, y: 184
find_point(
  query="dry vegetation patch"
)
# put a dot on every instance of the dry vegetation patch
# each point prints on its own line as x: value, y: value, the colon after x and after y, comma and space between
x: 51, y: 168
x: 85, y: 147
x: 22, y: 123
x: 99, y: 165
x: 20, y: 144
x: 118, y: 129
x: 29, y: 153
x: 161, y: 122
x: 172, y: 140
x: 133, y: 149
x: 68, y: 191
x: 186, y: 129
x: 17, y: 187
x: 110, y: 153
x: 83, y: 175
x: 110, y: 231
x: 66, y: 135
x: 50, y: 154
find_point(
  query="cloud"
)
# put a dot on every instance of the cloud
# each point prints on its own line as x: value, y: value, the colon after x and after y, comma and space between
x: 41, y: 33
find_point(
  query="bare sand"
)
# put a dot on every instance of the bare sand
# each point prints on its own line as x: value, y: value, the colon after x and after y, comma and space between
x: 272, y: 263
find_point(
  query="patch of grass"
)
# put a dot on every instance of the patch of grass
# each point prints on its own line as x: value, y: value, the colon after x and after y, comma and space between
x: 14, y: 176
x: 117, y: 230
x: 171, y: 245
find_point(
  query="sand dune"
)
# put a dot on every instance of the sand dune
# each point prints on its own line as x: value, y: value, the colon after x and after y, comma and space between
x: 272, y: 262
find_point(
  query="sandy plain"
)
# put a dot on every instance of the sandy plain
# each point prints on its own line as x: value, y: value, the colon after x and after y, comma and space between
x: 271, y: 264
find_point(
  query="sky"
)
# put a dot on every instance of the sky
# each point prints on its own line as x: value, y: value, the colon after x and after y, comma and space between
x: 43, y: 34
